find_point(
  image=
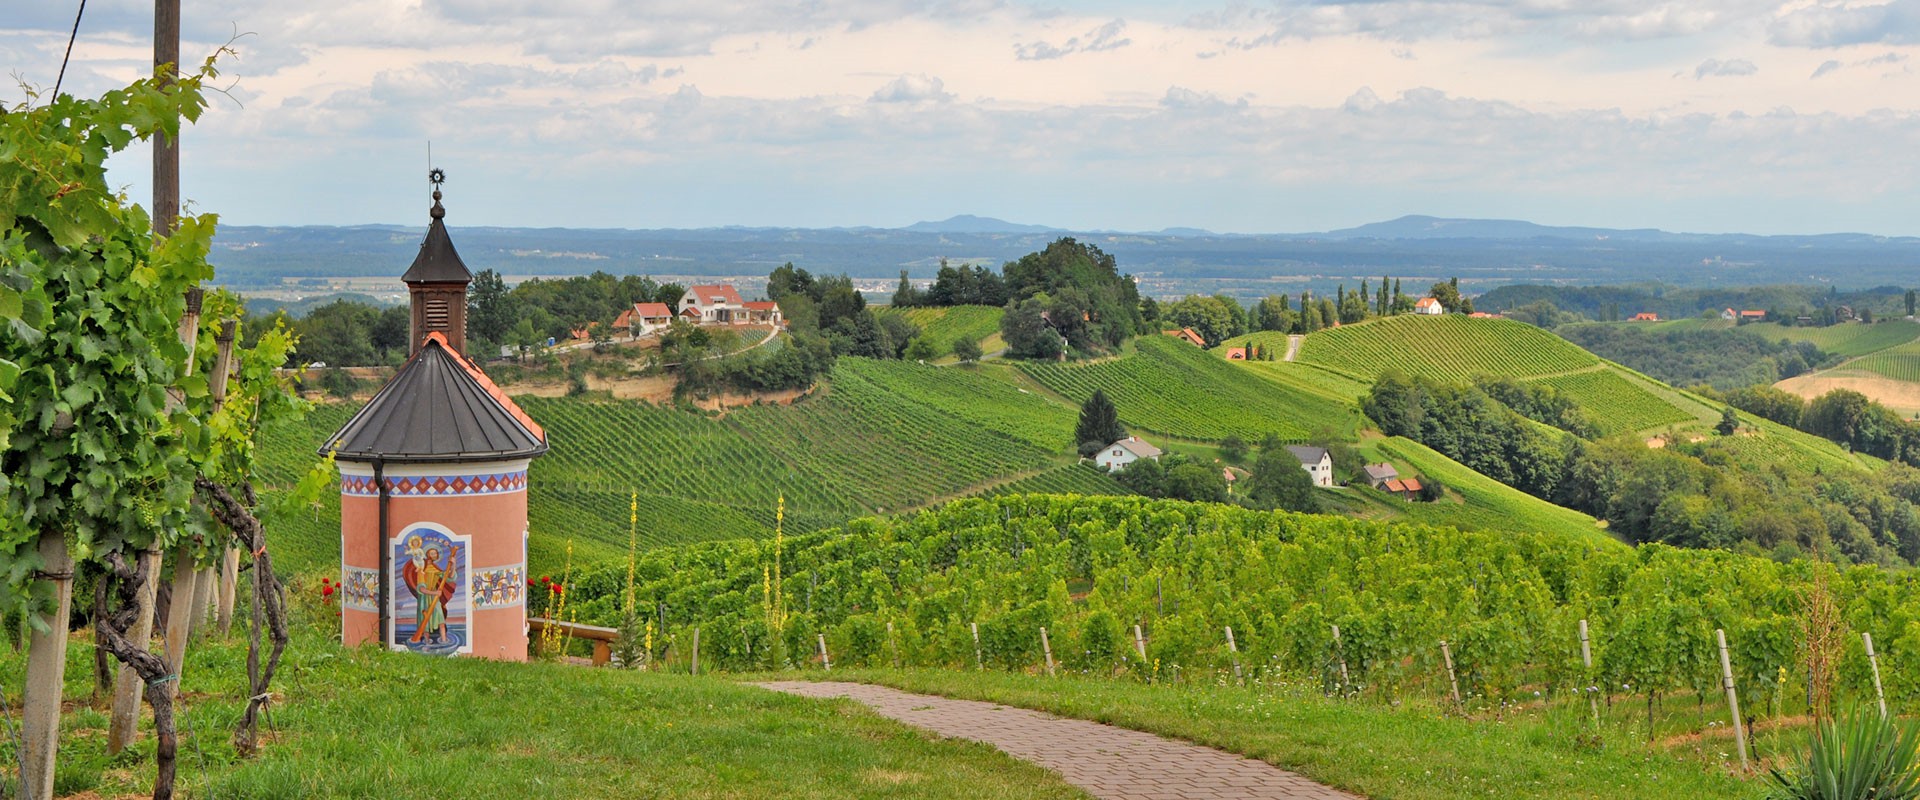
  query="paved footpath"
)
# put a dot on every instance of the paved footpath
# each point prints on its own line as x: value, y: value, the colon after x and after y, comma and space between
x: 1108, y: 762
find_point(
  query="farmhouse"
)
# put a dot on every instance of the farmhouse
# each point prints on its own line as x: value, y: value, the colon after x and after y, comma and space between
x: 1646, y: 316
x: 1405, y: 489
x: 643, y: 318
x: 1379, y: 474
x: 1187, y: 335
x: 713, y: 304
x: 1429, y: 306
x: 1751, y: 315
x: 1236, y: 354
x: 764, y: 312
x: 1317, y: 462
x: 1117, y: 456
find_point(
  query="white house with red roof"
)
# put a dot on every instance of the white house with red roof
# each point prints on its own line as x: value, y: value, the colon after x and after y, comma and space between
x: 713, y: 304
x: 1429, y: 306
x: 644, y: 318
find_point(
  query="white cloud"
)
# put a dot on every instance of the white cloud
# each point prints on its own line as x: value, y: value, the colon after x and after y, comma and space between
x: 1825, y: 68
x: 912, y: 89
x: 1831, y: 25
x: 1715, y: 68
x: 1101, y: 39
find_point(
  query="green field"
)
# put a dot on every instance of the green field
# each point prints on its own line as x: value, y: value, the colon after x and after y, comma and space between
x: 1175, y: 389
x: 1846, y: 339
x: 944, y: 325
x: 1900, y: 362
x: 1481, y: 503
x: 1615, y: 403
x: 1452, y: 347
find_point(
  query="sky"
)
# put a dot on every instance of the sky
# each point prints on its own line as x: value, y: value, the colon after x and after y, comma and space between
x: 1298, y: 115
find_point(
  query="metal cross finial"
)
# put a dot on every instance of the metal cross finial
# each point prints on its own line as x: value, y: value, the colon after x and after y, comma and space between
x: 436, y: 176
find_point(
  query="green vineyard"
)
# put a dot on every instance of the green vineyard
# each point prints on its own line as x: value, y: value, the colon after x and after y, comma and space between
x: 1846, y: 339
x: 1450, y: 347
x: 1901, y: 363
x: 1176, y: 389
x: 1615, y: 403
x: 979, y: 395
x: 1482, y: 503
x: 1082, y: 479
x: 944, y: 325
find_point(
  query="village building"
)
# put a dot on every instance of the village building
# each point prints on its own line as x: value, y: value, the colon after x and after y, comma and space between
x: 1403, y: 488
x: 1187, y: 335
x: 1753, y: 315
x: 713, y: 304
x: 1646, y: 316
x: 1379, y: 474
x: 643, y: 318
x: 1429, y: 306
x: 763, y: 312
x: 1115, y: 457
x: 1236, y: 354
x: 433, y: 487
x: 1317, y: 462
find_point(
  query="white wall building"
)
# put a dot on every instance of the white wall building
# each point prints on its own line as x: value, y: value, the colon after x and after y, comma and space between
x: 1117, y: 456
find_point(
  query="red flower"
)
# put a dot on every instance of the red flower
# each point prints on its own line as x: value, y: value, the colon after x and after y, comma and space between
x: 546, y: 579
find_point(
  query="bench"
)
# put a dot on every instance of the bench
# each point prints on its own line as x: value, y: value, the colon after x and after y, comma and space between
x: 602, y: 638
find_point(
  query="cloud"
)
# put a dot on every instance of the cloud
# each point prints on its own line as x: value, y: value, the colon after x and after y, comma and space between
x: 912, y: 89
x: 1715, y: 68
x: 1827, y: 25
x: 1825, y: 68
x: 1425, y: 20
x: 1101, y: 39
x: 1184, y: 99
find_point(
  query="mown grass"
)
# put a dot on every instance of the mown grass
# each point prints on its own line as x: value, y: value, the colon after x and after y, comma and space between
x: 1846, y: 339
x: 362, y: 723
x: 1482, y: 504
x: 1413, y: 751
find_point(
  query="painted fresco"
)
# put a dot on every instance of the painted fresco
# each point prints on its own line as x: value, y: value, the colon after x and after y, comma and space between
x: 431, y: 607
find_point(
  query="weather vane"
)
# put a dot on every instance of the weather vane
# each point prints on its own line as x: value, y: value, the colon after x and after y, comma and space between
x: 436, y: 176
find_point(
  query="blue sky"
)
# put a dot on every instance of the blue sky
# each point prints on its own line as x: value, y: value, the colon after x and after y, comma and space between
x: 1710, y: 115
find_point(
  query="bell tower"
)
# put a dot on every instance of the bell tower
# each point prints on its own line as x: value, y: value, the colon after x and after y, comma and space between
x: 437, y: 282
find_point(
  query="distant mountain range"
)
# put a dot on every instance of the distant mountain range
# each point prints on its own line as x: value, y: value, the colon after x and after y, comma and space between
x: 1482, y: 253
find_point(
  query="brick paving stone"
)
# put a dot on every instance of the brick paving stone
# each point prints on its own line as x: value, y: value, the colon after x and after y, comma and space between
x: 1107, y: 762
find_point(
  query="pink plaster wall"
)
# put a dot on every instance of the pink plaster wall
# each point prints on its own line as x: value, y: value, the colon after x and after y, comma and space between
x: 497, y: 523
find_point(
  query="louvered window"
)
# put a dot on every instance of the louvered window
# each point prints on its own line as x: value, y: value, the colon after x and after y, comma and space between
x: 437, y: 314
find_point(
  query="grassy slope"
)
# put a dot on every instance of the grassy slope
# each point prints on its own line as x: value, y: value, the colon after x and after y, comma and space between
x: 1410, y: 752
x: 370, y: 724
x: 1845, y: 339
x: 1478, y: 502
x: 1166, y: 387
x: 948, y: 324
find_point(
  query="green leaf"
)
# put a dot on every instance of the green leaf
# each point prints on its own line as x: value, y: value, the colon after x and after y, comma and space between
x: 195, y: 386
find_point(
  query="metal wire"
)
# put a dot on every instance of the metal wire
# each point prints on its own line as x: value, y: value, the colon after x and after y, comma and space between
x: 19, y: 744
x: 70, y: 38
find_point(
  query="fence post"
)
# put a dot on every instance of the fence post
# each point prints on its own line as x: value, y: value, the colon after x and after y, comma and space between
x: 895, y: 648
x: 696, y: 651
x: 825, y: 662
x: 1046, y: 647
x: 1874, y: 661
x: 1340, y: 652
x: 1586, y: 659
x: 1446, y: 654
x: 978, y: 662
x: 1140, y: 645
x: 1733, y: 698
x: 1234, y: 651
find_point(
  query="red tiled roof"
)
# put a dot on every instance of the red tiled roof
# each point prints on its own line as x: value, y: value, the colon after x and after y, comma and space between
x: 1751, y: 313
x: 1411, y: 485
x: 1395, y: 485
x: 762, y: 305
x: 716, y: 293
x: 1237, y: 353
x: 691, y: 312
x: 652, y: 310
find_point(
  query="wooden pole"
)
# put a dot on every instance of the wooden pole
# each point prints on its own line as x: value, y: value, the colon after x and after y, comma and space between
x: 179, y: 615
x: 1047, y: 648
x: 978, y: 662
x: 124, y: 726
x: 892, y: 646
x: 1874, y: 662
x: 1586, y: 659
x: 696, y: 651
x: 166, y: 149
x: 230, y: 559
x: 1140, y: 644
x: 46, y: 670
x: 825, y: 662
x: 1340, y: 653
x: 1733, y: 697
x: 1446, y: 655
x: 202, y: 600
x: 1233, y: 650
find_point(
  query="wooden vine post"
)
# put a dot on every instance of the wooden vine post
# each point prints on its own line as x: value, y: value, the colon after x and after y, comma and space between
x: 1233, y: 652
x: 978, y: 662
x: 1140, y: 644
x: 1733, y: 697
x: 46, y: 668
x: 1453, y: 681
x: 1873, y: 661
x: 1047, y: 648
x: 1340, y: 652
x: 229, y: 565
x: 694, y: 666
x: 893, y: 646
x: 825, y: 662
x: 1586, y: 660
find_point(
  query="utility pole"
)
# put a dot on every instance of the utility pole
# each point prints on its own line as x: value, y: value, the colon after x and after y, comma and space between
x: 166, y: 150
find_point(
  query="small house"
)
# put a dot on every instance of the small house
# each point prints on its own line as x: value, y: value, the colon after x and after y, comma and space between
x: 1236, y: 354
x: 643, y: 318
x: 1429, y: 306
x: 1646, y: 316
x: 1483, y: 315
x: 1729, y: 315
x: 1317, y: 462
x: 1115, y: 457
x: 1407, y: 489
x: 717, y: 304
x: 1379, y: 474
x: 1187, y: 335
x: 763, y: 312
x: 1753, y: 315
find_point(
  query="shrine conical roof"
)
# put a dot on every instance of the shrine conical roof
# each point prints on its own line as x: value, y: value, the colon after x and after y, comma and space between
x: 437, y: 262
x: 438, y: 408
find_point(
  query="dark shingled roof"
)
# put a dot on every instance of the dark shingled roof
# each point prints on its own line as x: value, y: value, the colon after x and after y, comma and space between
x: 437, y: 262
x: 438, y: 408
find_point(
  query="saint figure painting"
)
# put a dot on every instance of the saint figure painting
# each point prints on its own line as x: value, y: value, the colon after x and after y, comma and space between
x: 430, y: 603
